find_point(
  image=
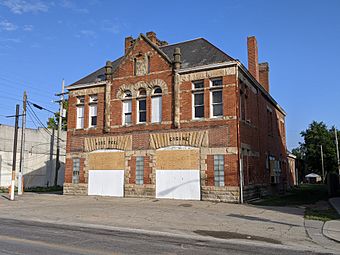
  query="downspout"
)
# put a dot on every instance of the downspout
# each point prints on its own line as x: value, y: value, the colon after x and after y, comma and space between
x: 240, y: 157
x: 107, y: 96
x: 176, y: 67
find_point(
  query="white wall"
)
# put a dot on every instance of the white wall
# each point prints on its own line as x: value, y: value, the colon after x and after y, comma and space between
x: 39, y: 157
x: 178, y: 184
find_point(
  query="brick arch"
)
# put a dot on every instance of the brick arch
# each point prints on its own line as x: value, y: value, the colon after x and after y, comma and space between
x: 158, y: 82
x: 141, y: 84
x: 124, y: 87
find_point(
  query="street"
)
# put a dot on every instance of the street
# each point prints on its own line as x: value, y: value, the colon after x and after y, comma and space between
x: 27, y: 237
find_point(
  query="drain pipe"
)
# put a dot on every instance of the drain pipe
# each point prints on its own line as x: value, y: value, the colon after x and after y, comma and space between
x: 240, y: 154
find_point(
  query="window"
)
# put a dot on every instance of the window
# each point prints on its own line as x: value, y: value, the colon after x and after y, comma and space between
x: 140, y: 170
x: 93, y: 111
x: 135, y: 66
x: 76, y: 170
x: 198, y: 98
x: 127, y: 108
x: 216, y: 108
x: 80, y: 112
x: 243, y: 105
x: 156, y: 105
x: 149, y: 65
x: 219, y: 170
x: 141, y: 104
x: 270, y: 121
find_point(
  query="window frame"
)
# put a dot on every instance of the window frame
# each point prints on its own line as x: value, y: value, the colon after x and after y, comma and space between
x: 219, y: 179
x: 139, y: 111
x: 127, y: 100
x: 140, y: 170
x: 157, y: 95
x: 218, y: 88
x: 80, y: 105
x: 195, y: 92
x: 93, y: 103
x: 75, y: 177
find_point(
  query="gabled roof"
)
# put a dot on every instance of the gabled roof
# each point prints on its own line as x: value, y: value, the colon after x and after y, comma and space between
x: 99, y: 75
x: 196, y: 52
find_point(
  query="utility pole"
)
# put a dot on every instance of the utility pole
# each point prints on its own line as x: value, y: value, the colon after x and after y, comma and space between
x: 322, y: 166
x: 14, y: 150
x: 61, y: 104
x: 337, y: 148
x: 22, y: 149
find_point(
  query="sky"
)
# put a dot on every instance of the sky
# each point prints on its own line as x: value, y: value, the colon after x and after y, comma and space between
x: 43, y: 42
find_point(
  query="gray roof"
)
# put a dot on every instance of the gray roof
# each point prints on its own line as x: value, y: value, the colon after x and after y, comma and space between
x: 197, y: 52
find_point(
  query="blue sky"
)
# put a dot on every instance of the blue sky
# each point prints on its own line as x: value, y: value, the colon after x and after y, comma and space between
x: 42, y: 42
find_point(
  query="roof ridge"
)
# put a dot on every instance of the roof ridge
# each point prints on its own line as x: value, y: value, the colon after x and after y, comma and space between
x: 198, y: 38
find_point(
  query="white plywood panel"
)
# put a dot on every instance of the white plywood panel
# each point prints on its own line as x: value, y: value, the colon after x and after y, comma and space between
x: 178, y: 184
x: 106, y: 183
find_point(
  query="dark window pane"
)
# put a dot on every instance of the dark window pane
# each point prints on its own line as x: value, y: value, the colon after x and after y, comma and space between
x: 199, y: 99
x: 94, y: 121
x: 158, y: 90
x: 142, y: 104
x: 142, y: 117
x: 217, y: 97
x: 199, y: 111
x: 217, y: 110
x: 217, y: 82
x: 198, y: 84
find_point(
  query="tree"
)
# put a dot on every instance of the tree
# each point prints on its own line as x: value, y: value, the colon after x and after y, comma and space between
x: 53, y: 121
x: 314, y: 136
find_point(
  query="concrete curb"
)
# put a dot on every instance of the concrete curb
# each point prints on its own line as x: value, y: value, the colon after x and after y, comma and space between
x: 331, y: 232
x: 331, y: 229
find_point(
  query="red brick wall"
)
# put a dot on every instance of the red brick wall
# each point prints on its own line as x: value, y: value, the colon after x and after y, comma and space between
x: 255, y: 134
x: 132, y: 165
x: 231, y: 177
x: 69, y: 170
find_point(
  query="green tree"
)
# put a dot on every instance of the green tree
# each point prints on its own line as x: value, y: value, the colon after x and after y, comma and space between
x: 53, y: 121
x: 314, y: 136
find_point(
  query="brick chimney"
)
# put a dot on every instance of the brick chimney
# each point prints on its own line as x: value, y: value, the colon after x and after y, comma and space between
x: 253, y: 59
x: 264, y: 75
x: 152, y: 36
x: 128, y: 43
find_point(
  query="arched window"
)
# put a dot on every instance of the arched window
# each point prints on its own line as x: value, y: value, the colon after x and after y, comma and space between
x: 156, y: 105
x: 127, y: 108
x: 141, y: 105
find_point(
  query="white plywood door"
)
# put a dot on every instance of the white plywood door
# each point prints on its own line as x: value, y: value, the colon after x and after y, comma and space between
x: 178, y: 184
x: 106, y: 183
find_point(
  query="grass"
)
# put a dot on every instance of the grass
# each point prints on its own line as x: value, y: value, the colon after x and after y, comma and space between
x: 36, y: 189
x: 301, y: 195
x: 323, y: 214
x: 314, y: 197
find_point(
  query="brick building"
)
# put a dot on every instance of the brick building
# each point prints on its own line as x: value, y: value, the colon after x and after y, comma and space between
x: 181, y: 121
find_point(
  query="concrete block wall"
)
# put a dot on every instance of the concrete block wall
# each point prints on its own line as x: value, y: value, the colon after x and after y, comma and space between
x: 39, y: 157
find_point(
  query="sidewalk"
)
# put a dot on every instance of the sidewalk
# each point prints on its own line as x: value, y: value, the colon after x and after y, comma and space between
x: 331, y: 229
x: 284, y: 226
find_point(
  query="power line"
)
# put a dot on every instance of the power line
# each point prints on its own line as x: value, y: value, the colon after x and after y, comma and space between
x: 20, y: 83
x: 40, y: 122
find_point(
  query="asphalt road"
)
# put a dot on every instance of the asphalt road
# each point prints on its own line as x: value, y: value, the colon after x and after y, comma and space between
x: 27, y: 237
